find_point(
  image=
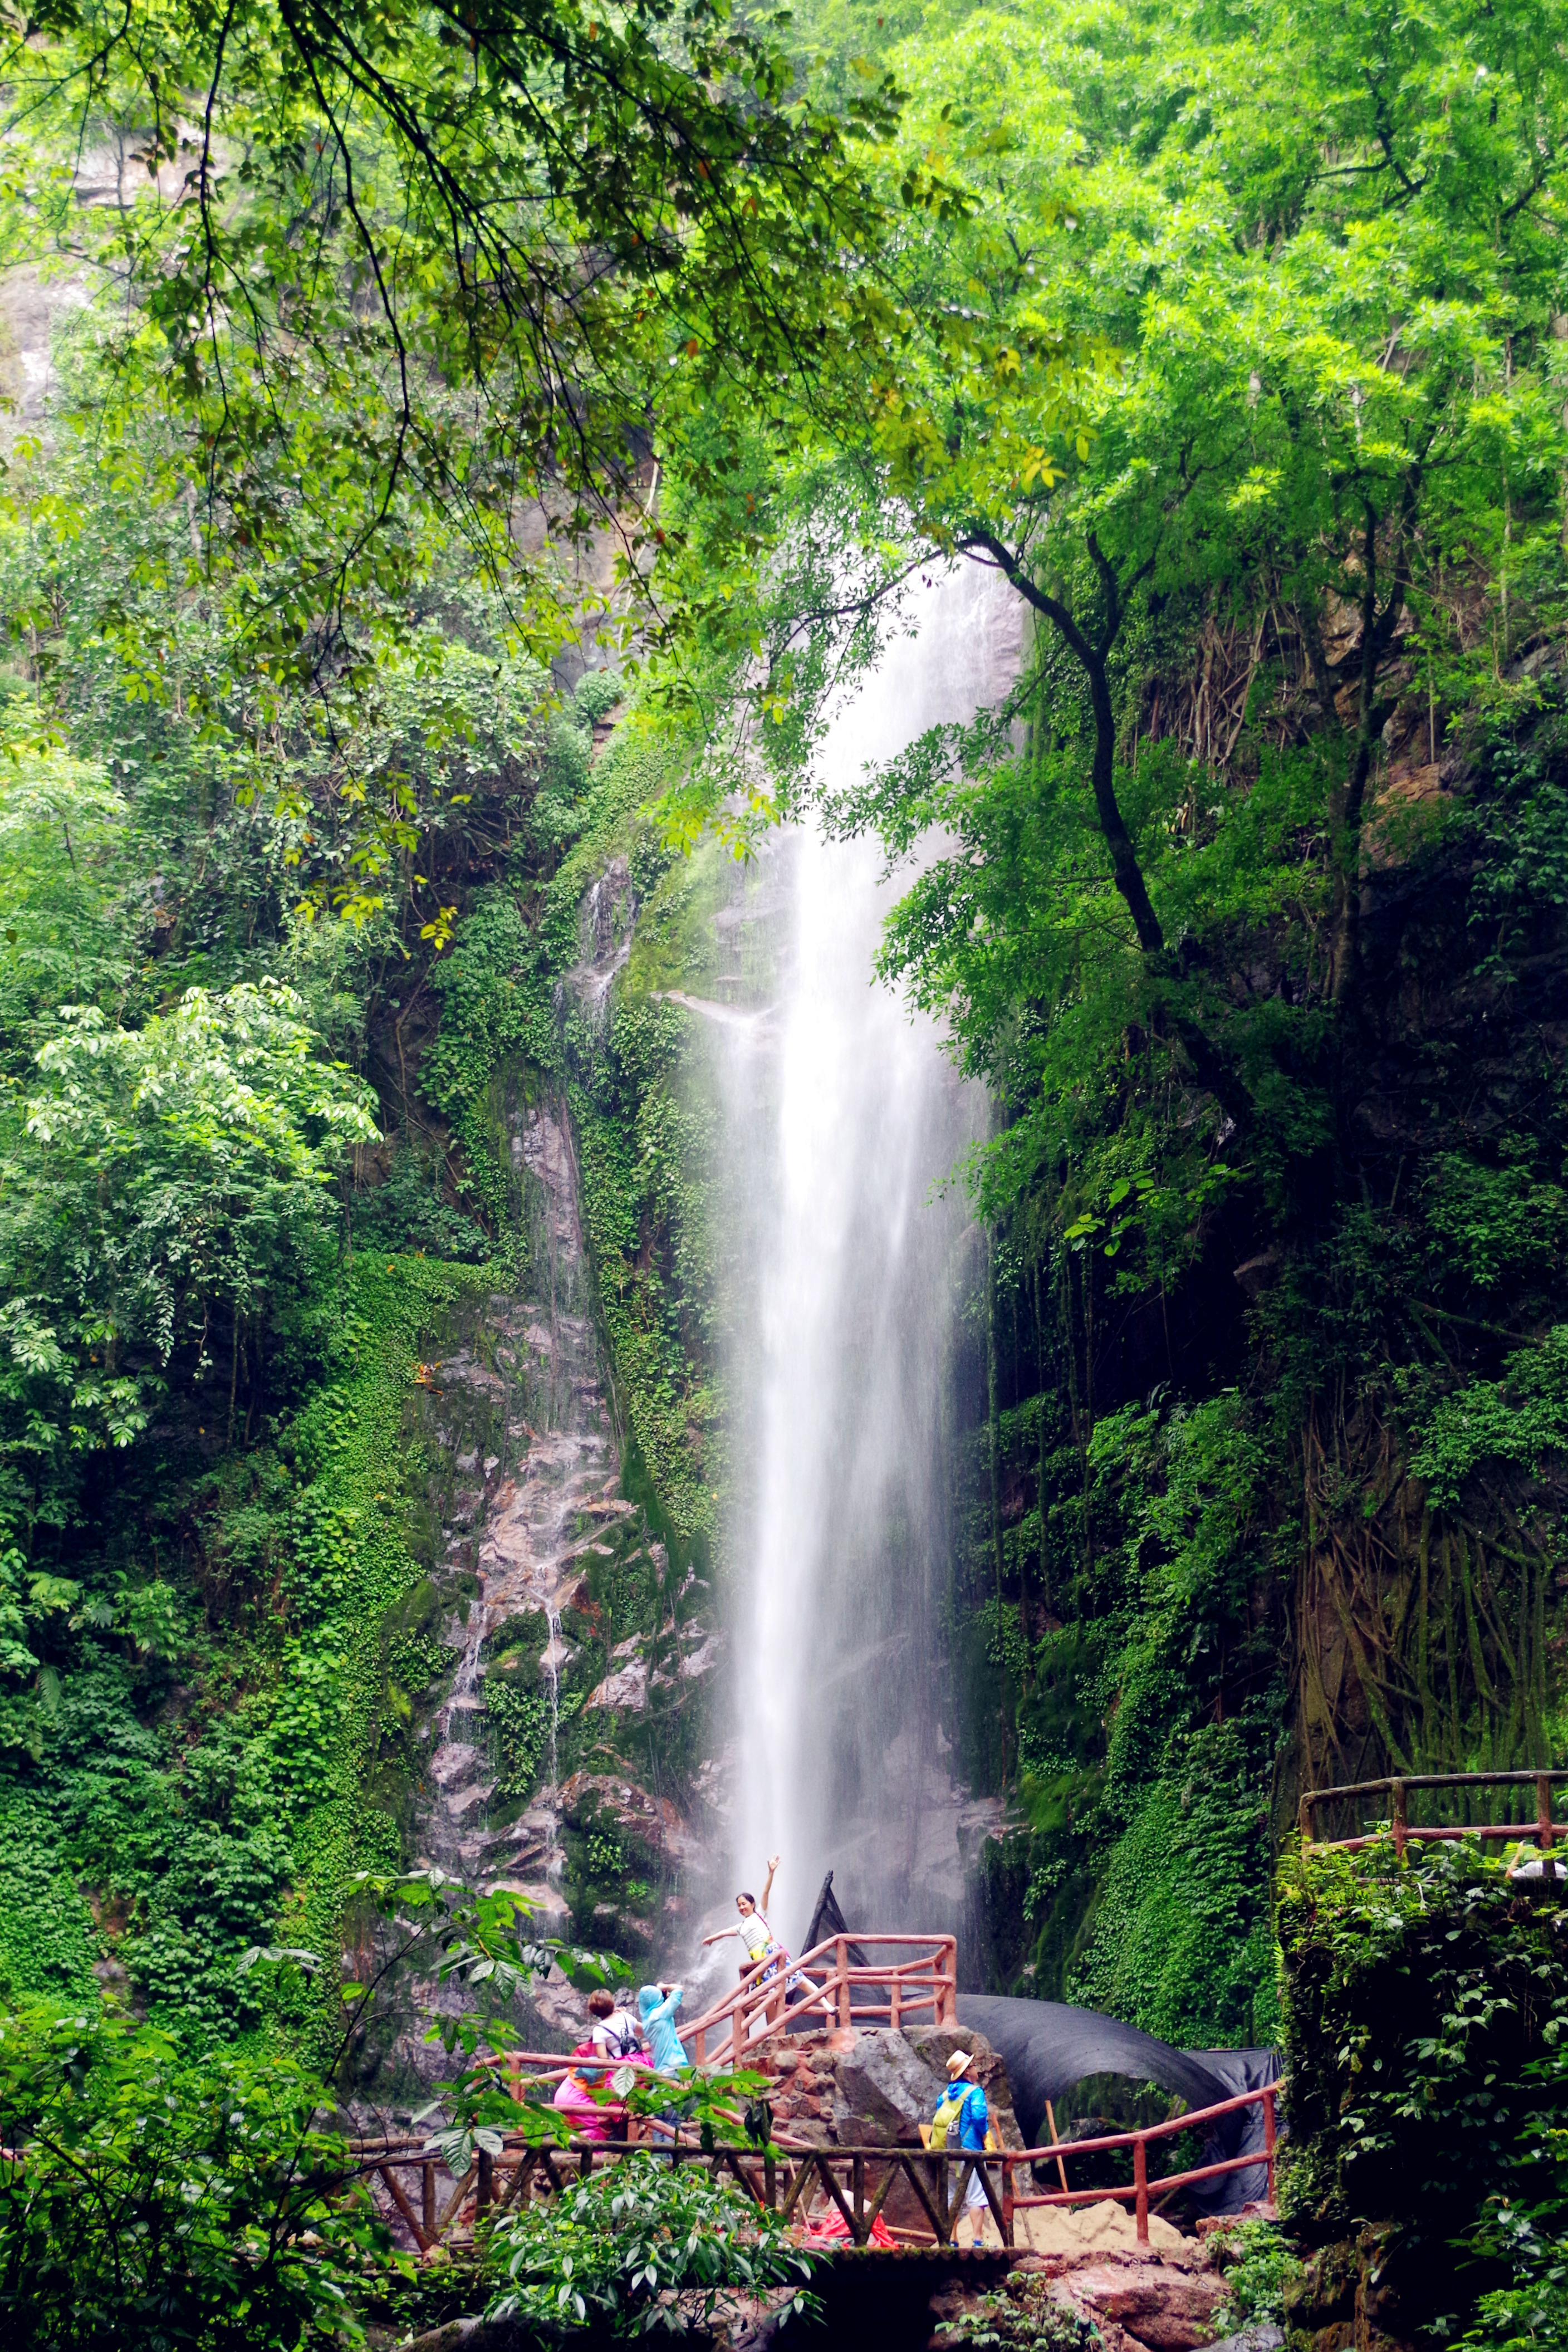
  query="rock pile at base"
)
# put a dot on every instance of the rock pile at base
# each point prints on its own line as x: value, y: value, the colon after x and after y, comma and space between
x: 1137, y: 2301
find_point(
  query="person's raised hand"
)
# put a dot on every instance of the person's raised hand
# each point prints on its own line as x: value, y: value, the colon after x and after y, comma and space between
x: 773, y: 1862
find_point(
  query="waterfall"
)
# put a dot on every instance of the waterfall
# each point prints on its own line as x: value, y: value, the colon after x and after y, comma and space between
x: 843, y: 1116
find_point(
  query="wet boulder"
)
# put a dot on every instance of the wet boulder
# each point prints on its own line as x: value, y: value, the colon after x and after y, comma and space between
x: 883, y: 2091
x: 1164, y: 2306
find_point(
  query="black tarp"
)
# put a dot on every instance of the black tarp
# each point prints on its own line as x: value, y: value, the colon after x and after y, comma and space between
x: 1049, y: 2047
x: 827, y: 1920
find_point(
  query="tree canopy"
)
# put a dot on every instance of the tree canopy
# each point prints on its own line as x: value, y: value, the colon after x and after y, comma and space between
x: 1250, y: 327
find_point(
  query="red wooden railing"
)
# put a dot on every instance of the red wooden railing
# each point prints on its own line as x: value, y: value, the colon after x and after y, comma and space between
x: 1404, y: 1833
x: 833, y: 1992
x: 1138, y: 2141
x: 782, y: 2175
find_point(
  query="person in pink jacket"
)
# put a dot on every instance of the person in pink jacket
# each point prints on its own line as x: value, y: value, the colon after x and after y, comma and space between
x: 574, y: 2097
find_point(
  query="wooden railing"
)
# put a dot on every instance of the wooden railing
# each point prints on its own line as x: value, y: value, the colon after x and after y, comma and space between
x: 1403, y: 1832
x: 1170, y: 2182
x: 835, y: 1992
x: 856, y: 2182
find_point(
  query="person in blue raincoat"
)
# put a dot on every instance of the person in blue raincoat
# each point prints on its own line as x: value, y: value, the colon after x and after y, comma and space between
x: 962, y: 2120
x: 665, y: 2046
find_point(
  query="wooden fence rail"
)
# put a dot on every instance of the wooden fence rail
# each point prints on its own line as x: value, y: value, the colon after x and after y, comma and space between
x: 1404, y: 1833
x: 823, y: 1984
x: 853, y: 2182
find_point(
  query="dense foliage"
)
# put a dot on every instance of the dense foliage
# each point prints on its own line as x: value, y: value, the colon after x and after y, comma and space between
x: 145, y: 2199
x: 647, y: 2248
x: 389, y: 278
x: 1425, y: 2009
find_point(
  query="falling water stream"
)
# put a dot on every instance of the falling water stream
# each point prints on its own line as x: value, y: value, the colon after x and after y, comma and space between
x: 844, y: 1116
x: 531, y: 1546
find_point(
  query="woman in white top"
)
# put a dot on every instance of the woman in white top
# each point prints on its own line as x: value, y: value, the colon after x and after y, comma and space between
x: 617, y: 2032
x: 764, y: 1953
x: 753, y: 1929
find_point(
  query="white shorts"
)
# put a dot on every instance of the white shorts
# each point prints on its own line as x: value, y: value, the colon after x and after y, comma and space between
x: 974, y: 2194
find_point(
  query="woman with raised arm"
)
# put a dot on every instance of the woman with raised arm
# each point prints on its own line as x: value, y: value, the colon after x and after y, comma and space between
x: 765, y: 1954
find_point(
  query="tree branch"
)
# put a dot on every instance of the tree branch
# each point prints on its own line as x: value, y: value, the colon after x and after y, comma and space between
x: 1127, y: 872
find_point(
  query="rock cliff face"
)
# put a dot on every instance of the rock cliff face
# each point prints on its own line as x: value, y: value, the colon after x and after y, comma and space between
x: 527, y: 1770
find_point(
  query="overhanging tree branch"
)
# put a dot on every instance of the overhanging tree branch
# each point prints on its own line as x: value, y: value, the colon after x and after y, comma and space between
x: 1209, y: 1065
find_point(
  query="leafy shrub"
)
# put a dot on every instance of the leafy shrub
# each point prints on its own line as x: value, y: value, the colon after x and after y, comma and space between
x: 643, y: 2245
x: 1417, y: 1998
x: 1258, y: 2265
x: 176, y: 2207
x: 407, y: 1212
x: 1026, y: 2314
x: 597, y: 693
x: 1494, y: 1224
x: 1521, y: 1418
x: 1523, y: 2231
x: 519, y: 1721
x: 162, y: 1180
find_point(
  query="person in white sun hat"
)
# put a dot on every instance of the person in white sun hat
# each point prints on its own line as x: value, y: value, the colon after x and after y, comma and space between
x: 962, y: 2121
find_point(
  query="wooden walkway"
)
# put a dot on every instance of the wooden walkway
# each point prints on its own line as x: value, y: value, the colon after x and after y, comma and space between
x: 854, y: 2183
x: 887, y: 1980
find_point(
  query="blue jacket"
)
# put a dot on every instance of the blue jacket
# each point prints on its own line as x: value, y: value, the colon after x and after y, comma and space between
x: 665, y: 2045
x: 969, y: 2132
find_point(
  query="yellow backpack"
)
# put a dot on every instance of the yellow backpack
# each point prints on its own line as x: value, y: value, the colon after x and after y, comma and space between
x: 934, y: 2134
x: 946, y: 2116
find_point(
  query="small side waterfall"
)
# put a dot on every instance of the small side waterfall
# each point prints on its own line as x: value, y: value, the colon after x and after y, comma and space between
x: 525, y: 1517
x: 844, y: 1118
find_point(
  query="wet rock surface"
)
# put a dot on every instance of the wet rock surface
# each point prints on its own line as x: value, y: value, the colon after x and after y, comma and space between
x: 1147, y: 2300
x: 1142, y: 2303
x: 884, y: 2089
x: 1372, y: 2292
x: 521, y: 1779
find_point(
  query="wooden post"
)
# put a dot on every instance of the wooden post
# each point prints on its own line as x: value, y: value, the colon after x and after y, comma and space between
x: 857, y: 2193
x: 427, y: 2200
x: 841, y: 1951
x: 1006, y: 2200
x: 700, y: 2047
x: 1140, y: 2183
x: 1268, y: 2136
x: 1061, y: 2168
x: 771, y: 2180
x: 1542, y: 1811
x: 894, y: 2004
x: 1304, y: 1819
x: 1399, y: 1818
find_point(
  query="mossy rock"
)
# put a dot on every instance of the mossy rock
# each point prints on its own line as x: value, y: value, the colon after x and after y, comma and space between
x: 516, y: 1647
